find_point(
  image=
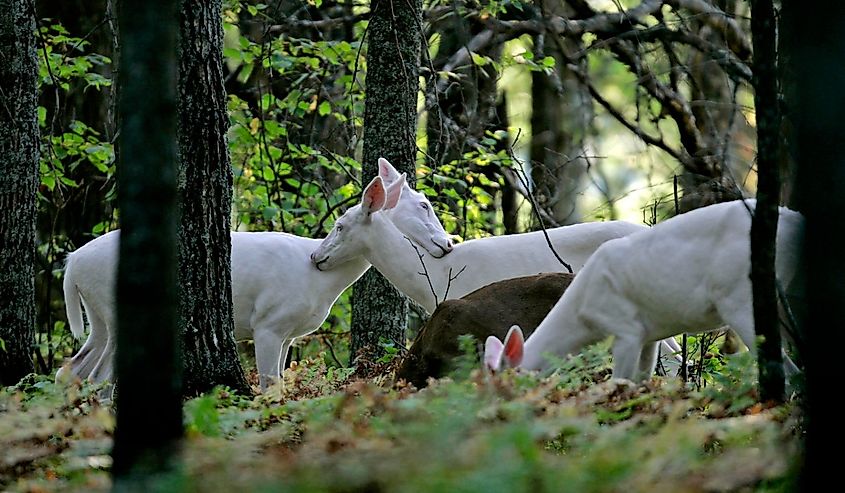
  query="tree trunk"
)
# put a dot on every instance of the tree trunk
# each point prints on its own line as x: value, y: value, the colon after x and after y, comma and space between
x: 205, y: 198
x: 561, y: 111
x: 379, y: 311
x: 19, y: 148
x: 764, y: 224
x: 149, y: 411
x: 715, y: 115
x: 815, y: 36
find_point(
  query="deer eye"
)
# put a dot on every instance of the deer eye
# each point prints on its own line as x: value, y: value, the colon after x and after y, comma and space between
x: 424, y: 205
x: 339, y: 228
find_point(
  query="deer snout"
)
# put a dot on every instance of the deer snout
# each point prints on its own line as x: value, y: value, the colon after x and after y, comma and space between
x: 314, y: 256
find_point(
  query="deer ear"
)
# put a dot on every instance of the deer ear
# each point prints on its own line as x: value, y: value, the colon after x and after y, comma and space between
x: 493, y: 353
x: 514, y: 346
x: 386, y: 171
x: 374, y: 196
x: 394, y: 192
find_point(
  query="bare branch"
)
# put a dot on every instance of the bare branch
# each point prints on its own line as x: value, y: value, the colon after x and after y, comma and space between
x: 452, y: 278
x: 425, y: 271
x: 520, y: 173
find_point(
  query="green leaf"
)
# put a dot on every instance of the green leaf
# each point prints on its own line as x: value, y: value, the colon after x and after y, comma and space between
x: 479, y: 60
x: 269, y: 213
x: 549, y: 61
x: 325, y: 108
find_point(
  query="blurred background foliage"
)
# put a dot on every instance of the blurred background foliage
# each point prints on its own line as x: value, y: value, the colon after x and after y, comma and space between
x: 611, y: 119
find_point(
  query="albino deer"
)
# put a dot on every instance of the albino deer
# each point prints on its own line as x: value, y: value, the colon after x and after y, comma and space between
x: 277, y: 293
x: 689, y: 273
x: 364, y: 231
x: 490, y: 310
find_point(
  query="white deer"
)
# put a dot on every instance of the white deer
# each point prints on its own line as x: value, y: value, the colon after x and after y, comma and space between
x: 364, y: 231
x: 689, y: 273
x: 277, y: 293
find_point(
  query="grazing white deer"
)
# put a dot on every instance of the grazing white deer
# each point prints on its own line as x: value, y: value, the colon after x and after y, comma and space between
x: 277, y: 293
x: 689, y: 273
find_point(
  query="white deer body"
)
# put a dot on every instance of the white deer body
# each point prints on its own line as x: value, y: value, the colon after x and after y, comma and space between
x: 277, y: 295
x: 471, y: 264
x: 277, y: 292
x: 687, y: 274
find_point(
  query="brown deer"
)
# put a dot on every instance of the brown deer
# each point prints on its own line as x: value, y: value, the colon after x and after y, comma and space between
x: 490, y: 310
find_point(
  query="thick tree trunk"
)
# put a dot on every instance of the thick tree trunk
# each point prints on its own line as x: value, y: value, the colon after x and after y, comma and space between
x: 379, y: 311
x: 764, y: 224
x: 205, y: 198
x: 561, y: 110
x: 815, y: 36
x: 18, y: 185
x: 149, y: 410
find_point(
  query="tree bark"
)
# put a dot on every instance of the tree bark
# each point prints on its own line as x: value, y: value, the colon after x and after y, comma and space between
x: 379, y: 311
x: 715, y: 115
x: 815, y: 36
x: 765, y: 221
x: 19, y: 148
x: 149, y: 411
x: 205, y: 198
x: 561, y: 111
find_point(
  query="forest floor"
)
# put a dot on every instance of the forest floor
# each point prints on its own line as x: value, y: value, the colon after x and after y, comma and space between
x: 327, y: 430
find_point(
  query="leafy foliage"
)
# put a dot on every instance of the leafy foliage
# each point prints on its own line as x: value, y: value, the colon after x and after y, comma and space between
x: 325, y: 431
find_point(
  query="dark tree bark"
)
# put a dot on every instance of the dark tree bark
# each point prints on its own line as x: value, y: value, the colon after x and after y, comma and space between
x: 390, y: 118
x: 561, y: 110
x: 18, y: 185
x: 205, y: 198
x: 509, y: 193
x: 149, y: 411
x: 815, y: 36
x: 765, y: 221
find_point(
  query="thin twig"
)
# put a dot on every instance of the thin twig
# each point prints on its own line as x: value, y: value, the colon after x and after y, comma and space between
x: 684, y: 336
x: 425, y: 271
x: 524, y: 180
x: 325, y: 340
x: 452, y: 278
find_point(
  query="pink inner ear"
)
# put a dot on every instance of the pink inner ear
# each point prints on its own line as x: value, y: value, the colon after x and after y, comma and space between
x: 514, y: 347
x: 493, y: 353
x: 374, y: 196
x: 394, y: 192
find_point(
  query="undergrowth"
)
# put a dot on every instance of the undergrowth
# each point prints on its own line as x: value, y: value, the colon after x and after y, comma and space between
x: 328, y: 430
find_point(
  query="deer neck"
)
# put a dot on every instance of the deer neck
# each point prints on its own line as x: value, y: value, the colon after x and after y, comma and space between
x: 395, y: 256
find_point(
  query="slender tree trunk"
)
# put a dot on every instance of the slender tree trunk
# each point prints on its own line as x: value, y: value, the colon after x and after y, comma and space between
x: 149, y: 411
x: 764, y: 224
x: 205, y: 199
x: 509, y: 193
x: 18, y: 185
x: 561, y: 110
x: 379, y: 311
x: 715, y: 117
x: 815, y: 36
